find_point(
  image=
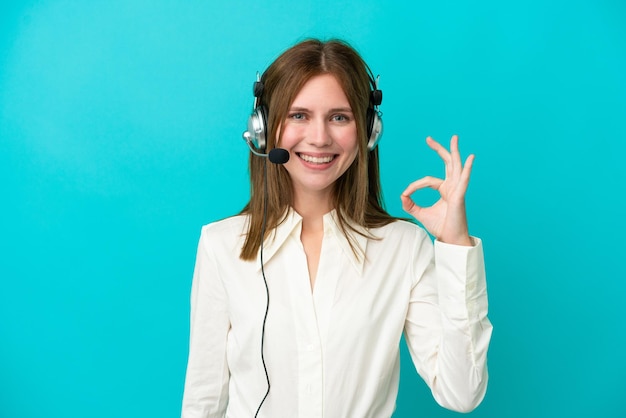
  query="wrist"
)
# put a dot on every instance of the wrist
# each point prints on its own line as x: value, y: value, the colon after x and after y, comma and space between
x: 462, y: 240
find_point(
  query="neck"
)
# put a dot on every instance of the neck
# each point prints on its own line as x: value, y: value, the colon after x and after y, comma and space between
x: 312, y: 207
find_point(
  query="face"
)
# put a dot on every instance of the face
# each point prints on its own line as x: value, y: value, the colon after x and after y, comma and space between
x: 321, y: 136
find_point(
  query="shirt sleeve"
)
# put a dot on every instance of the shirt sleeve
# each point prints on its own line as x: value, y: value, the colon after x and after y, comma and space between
x: 206, y: 382
x: 446, y: 329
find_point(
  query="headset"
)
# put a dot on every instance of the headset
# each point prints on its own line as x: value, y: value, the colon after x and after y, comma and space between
x: 256, y: 135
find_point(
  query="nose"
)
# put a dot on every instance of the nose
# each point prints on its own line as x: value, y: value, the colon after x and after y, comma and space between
x: 319, y: 135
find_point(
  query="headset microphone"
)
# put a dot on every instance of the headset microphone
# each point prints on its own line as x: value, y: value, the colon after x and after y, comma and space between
x: 276, y: 155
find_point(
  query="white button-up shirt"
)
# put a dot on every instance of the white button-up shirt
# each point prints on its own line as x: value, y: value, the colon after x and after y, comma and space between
x: 333, y: 351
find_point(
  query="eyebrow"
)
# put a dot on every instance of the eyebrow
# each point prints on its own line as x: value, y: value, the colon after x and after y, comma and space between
x: 333, y: 110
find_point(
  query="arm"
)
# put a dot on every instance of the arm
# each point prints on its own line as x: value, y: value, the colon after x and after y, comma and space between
x: 447, y: 327
x: 206, y: 383
x: 447, y: 330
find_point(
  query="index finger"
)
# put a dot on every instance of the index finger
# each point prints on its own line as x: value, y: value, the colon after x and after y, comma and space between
x: 439, y: 149
x: 428, y: 181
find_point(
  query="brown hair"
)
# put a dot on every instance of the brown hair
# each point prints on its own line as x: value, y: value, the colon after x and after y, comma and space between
x: 357, y: 193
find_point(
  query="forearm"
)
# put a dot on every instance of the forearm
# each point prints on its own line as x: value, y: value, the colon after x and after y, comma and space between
x: 447, y: 326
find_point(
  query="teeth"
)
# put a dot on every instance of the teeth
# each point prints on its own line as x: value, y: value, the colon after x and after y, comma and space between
x: 316, y: 160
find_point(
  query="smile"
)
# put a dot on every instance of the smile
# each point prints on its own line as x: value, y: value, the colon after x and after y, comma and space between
x: 317, y: 160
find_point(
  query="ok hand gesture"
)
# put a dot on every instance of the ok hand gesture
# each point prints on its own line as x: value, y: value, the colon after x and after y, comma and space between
x: 446, y: 219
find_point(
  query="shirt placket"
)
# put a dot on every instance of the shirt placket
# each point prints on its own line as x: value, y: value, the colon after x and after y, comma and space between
x: 310, y: 362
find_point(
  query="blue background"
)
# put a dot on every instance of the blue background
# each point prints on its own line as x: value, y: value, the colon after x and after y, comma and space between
x: 120, y: 127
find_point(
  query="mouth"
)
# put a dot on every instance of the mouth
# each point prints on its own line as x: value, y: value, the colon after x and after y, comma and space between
x: 311, y: 159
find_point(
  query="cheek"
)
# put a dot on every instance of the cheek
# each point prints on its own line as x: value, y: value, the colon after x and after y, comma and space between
x: 289, y: 137
x: 350, y: 143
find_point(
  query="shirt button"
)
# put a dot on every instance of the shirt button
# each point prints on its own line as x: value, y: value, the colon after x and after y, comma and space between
x: 310, y: 347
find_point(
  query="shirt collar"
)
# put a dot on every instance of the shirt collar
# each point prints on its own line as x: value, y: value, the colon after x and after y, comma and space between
x: 292, y: 226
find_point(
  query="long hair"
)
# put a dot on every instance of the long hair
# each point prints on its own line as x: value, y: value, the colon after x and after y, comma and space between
x: 357, y: 193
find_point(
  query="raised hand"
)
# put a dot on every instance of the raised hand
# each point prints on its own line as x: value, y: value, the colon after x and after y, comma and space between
x: 446, y: 219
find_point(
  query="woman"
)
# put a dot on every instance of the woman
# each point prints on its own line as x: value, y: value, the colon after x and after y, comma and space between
x: 337, y: 277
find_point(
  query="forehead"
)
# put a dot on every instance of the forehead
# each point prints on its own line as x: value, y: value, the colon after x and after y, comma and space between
x: 321, y: 89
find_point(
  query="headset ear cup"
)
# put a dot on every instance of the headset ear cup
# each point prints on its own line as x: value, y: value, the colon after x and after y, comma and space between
x: 257, y: 127
x: 262, y: 110
x: 374, y: 128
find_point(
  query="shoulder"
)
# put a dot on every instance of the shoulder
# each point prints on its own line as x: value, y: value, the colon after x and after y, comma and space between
x: 232, y: 223
x: 405, y: 247
x: 400, y: 230
x: 401, y: 238
x: 228, y: 233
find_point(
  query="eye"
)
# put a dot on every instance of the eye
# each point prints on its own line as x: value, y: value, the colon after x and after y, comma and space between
x: 340, y: 117
x: 297, y: 116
